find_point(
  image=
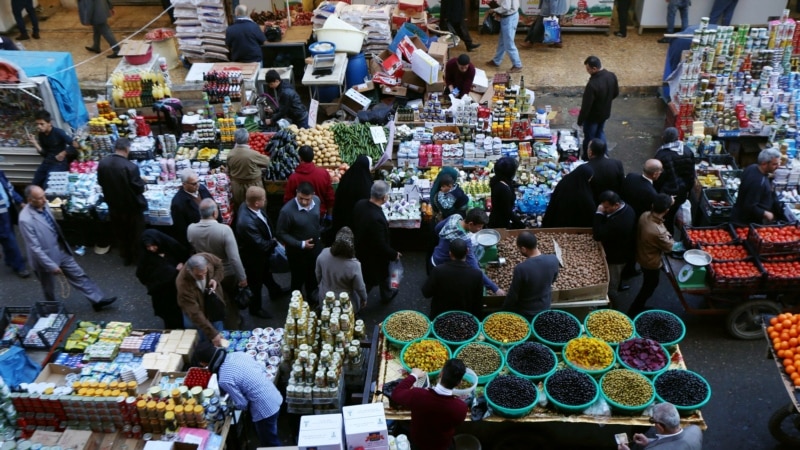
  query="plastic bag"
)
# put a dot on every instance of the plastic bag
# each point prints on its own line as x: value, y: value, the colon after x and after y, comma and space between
x: 684, y: 214
x: 552, y: 30
x: 243, y: 297
x: 479, y: 408
x: 395, y: 275
x: 490, y: 25
x: 278, y: 263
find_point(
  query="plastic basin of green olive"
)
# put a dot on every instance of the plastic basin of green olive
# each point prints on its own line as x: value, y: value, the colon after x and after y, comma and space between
x: 629, y: 390
x: 456, y: 344
x: 614, y: 323
x: 416, y: 316
x: 668, y: 316
x: 431, y: 373
x: 512, y: 413
x: 644, y: 372
x: 593, y: 372
x: 684, y: 410
x: 511, y: 321
x: 557, y: 346
x: 483, y: 379
x: 535, y: 378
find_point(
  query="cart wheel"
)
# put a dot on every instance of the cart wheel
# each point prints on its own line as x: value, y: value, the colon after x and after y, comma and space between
x: 784, y: 425
x: 744, y: 321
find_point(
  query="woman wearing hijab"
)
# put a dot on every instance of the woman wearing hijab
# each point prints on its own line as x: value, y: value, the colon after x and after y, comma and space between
x: 158, y: 268
x: 339, y: 271
x: 572, y: 202
x: 447, y: 198
x: 503, y: 196
x: 354, y: 186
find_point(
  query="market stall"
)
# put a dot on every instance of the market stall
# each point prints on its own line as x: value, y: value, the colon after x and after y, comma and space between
x: 653, y: 13
x: 783, y: 424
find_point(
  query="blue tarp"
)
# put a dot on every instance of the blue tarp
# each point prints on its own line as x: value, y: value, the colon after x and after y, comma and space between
x: 63, y: 83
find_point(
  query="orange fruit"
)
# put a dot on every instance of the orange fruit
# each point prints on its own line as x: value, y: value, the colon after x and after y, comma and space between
x: 778, y: 326
x: 797, y: 381
x: 788, y: 353
x: 793, y: 341
x: 773, y: 321
x: 787, y: 361
x: 780, y: 353
x: 790, y: 369
x: 794, y: 375
x: 784, y: 344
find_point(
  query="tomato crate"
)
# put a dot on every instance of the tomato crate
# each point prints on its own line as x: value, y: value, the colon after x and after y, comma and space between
x: 693, y: 236
x: 719, y: 281
x: 788, y: 238
x: 783, y: 273
x: 741, y: 231
x: 716, y: 204
x: 726, y: 252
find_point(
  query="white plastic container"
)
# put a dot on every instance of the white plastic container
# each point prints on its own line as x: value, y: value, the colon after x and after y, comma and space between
x: 346, y: 41
x: 464, y: 394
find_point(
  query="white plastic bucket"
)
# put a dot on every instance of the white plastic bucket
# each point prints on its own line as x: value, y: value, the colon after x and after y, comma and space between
x: 464, y: 394
x: 346, y: 41
x: 466, y: 442
x: 167, y: 49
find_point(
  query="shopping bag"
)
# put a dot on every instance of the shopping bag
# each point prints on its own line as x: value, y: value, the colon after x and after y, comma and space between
x: 278, y: 263
x: 243, y: 297
x: 395, y: 275
x: 552, y: 30
x: 213, y: 306
x: 490, y: 25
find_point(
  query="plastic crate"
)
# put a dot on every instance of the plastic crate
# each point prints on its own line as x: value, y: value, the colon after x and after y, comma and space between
x: 781, y: 282
x: 719, y: 282
x: 689, y: 242
x: 44, y: 339
x: 14, y: 314
x: 723, y: 160
x: 716, y: 205
x: 709, y: 248
x: 728, y: 175
x: 761, y: 247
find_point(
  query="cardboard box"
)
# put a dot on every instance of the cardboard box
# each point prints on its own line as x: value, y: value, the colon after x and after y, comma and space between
x: 367, y: 431
x: 129, y: 444
x: 440, y: 52
x: 390, y: 64
x: 320, y: 432
x: 481, y: 82
x: 409, y: 44
x: 353, y: 102
x: 134, y: 48
x: 375, y: 63
x: 46, y: 438
x: 396, y: 91
x: 79, y: 440
x: 364, y: 87
x: 55, y: 373
x: 412, y: 5
x: 362, y: 411
x: 158, y: 445
x: 412, y: 82
x: 108, y: 441
x: 425, y: 66
x: 439, y: 85
x: 421, y: 21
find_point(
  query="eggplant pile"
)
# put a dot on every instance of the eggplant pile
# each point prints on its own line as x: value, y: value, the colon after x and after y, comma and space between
x: 282, y: 151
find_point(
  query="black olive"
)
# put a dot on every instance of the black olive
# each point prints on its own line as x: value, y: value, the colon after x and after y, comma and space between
x: 681, y: 387
x: 510, y: 391
x: 455, y: 326
x: 556, y: 326
x: 570, y: 387
x: 659, y: 326
x: 531, y: 358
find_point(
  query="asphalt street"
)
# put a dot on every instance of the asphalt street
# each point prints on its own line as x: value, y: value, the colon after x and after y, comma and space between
x: 746, y: 386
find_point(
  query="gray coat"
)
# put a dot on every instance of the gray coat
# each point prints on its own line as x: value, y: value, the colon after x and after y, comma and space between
x: 44, y: 253
x: 94, y: 12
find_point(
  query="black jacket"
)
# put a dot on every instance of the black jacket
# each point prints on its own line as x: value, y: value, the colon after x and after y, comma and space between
x: 255, y: 238
x: 244, y: 39
x: 185, y: 211
x: 503, y: 200
x: 454, y: 285
x: 122, y: 185
x: 638, y: 193
x: 373, y: 249
x: 678, y: 176
x: 452, y: 11
x: 354, y: 186
x: 158, y: 273
x: 756, y: 195
x: 290, y: 106
x: 617, y: 233
x: 608, y: 175
x: 600, y: 91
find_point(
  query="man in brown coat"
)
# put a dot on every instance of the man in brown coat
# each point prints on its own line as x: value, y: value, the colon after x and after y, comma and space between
x: 244, y: 167
x: 652, y: 241
x: 201, y: 275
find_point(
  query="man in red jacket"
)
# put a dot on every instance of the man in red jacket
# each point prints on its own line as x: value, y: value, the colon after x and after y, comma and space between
x: 435, y: 413
x: 317, y: 176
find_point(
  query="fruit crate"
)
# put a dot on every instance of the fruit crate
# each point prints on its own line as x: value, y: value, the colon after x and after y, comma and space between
x: 694, y: 242
x: 719, y: 282
x: 46, y: 337
x: 790, y: 279
x: 713, y: 250
x: 762, y: 247
x: 716, y: 204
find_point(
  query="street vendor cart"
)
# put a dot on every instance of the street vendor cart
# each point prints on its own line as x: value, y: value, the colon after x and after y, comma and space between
x: 784, y: 423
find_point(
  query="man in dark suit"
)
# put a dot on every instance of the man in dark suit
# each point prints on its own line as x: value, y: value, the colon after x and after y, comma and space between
x: 373, y: 249
x: 9, y: 200
x: 637, y: 188
x: 614, y: 226
x: 185, y: 207
x: 256, y: 244
x: 608, y: 172
x: 122, y: 190
x: 455, y: 285
x: 299, y: 230
x: 49, y: 253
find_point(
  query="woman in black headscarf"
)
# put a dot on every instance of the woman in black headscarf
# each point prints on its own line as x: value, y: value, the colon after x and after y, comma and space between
x: 162, y: 258
x: 503, y: 195
x: 354, y: 186
x: 572, y: 202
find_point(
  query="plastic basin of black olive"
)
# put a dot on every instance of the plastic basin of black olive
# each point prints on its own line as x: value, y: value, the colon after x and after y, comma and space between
x: 456, y: 328
x: 511, y: 396
x: 402, y: 327
x: 506, y: 329
x: 661, y: 326
x: 609, y: 325
x: 484, y: 358
x: 645, y: 356
x: 426, y: 354
x: 571, y: 391
x: 531, y: 360
x: 685, y: 389
x: 555, y: 328
x: 626, y: 391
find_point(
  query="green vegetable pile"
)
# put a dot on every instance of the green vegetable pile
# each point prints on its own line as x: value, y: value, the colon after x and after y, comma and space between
x: 355, y: 140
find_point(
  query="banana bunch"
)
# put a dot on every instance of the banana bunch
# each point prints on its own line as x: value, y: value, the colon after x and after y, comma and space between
x: 206, y: 153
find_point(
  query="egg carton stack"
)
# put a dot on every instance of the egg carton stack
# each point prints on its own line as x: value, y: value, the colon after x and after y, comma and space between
x: 375, y: 20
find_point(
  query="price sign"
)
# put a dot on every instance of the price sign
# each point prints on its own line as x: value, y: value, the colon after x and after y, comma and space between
x: 378, y: 135
x: 312, y: 113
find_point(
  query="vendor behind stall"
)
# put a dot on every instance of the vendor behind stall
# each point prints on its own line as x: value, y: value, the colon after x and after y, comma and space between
x: 757, y: 202
x: 531, y: 286
x: 459, y: 73
x: 244, y: 38
x: 286, y: 101
x: 54, y: 145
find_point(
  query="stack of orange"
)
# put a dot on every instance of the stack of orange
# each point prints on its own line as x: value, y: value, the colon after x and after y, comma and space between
x: 784, y: 330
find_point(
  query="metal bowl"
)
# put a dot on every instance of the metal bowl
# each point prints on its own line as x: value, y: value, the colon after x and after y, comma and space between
x: 487, y: 237
x: 697, y: 258
x: 249, y: 111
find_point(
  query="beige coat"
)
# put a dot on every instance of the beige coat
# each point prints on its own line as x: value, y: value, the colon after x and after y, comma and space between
x: 652, y: 240
x: 191, y: 298
x: 244, y: 168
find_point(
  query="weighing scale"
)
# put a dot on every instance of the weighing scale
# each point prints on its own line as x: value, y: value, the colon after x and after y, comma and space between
x: 486, y: 250
x: 693, y: 274
x: 322, y: 65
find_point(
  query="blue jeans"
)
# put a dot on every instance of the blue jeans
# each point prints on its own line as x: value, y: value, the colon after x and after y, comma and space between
x: 592, y: 130
x: 187, y: 324
x: 11, y: 251
x: 724, y: 9
x: 508, y: 28
x: 675, y: 5
x: 267, y: 431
